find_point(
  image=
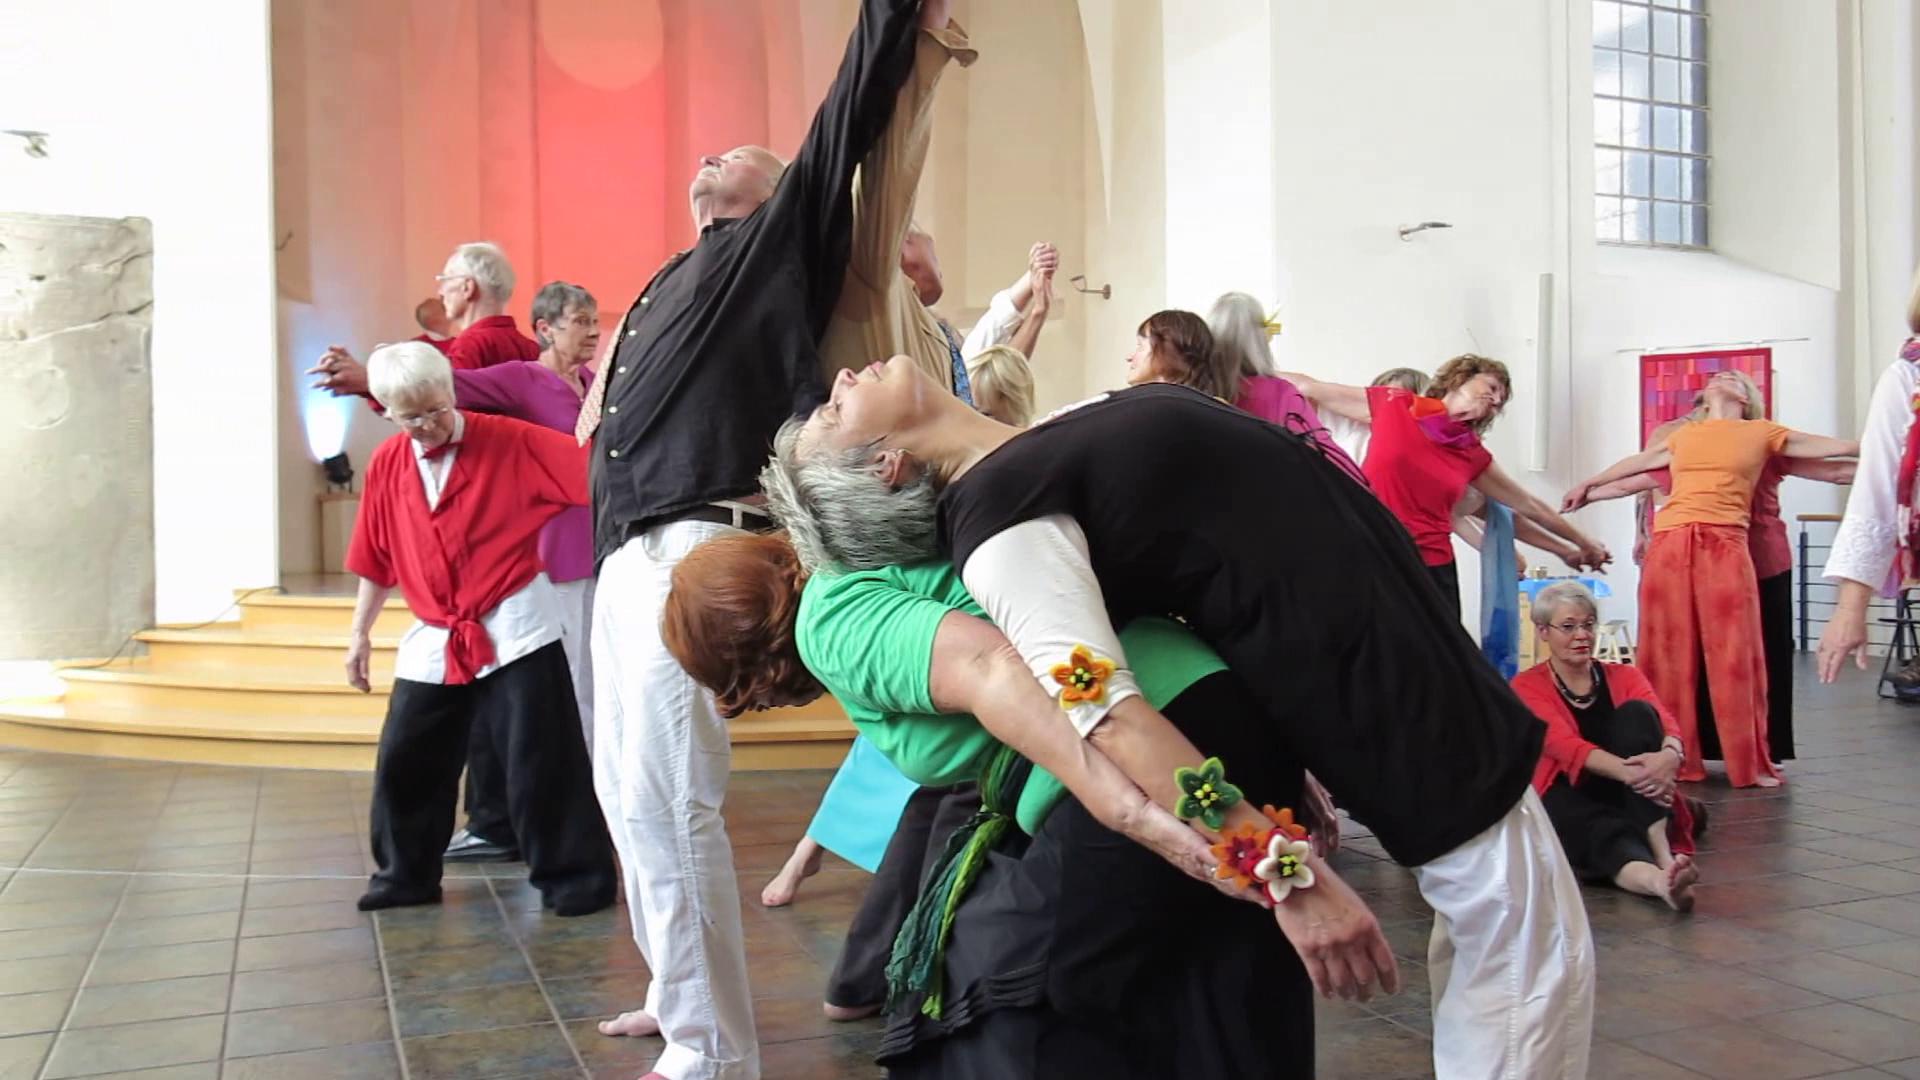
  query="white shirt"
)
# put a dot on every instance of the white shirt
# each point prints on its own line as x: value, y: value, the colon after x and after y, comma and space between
x: 1348, y: 434
x: 1869, y: 536
x: 529, y: 619
x: 996, y: 327
x: 1035, y: 581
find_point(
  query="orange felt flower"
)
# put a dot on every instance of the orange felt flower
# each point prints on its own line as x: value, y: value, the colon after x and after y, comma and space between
x: 1283, y: 820
x: 1239, y: 850
x: 1083, y: 677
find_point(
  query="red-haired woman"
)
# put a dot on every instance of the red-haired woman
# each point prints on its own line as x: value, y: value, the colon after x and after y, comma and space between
x: 1425, y: 452
x: 1699, y: 573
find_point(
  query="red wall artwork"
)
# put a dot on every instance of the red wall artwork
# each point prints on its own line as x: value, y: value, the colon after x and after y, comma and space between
x: 1669, y: 381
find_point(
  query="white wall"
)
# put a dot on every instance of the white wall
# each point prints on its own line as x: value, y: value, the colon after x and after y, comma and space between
x: 162, y: 116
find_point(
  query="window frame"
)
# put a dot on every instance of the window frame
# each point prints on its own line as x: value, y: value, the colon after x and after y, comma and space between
x: 1683, y: 156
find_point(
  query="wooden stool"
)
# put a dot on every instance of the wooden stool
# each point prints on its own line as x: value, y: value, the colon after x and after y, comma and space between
x: 1613, y: 644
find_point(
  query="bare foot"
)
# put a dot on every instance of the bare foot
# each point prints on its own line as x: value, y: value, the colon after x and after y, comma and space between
x: 841, y: 1014
x: 801, y: 865
x: 634, y: 1024
x: 1681, y: 878
x: 1767, y: 781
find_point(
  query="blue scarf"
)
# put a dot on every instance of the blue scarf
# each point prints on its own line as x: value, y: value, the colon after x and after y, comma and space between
x: 1499, y: 596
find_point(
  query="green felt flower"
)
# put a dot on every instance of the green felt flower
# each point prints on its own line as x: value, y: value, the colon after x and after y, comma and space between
x: 1205, y: 793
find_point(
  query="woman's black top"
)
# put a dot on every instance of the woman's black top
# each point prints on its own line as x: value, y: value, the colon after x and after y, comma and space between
x: 1304, y: 583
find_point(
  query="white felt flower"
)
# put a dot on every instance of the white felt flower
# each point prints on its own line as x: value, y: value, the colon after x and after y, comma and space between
x: 1285, y: 867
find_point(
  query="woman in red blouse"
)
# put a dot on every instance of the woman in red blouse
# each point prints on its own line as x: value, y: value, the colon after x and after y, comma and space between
x: 1426, y: 451
x: 1611, y: 757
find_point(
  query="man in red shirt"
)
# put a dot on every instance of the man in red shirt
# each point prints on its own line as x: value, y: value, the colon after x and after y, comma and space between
x: 475, y: 285
x: 451, y: 513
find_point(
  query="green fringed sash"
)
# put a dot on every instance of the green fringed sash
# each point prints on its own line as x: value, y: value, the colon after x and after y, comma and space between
x: 919, y: 953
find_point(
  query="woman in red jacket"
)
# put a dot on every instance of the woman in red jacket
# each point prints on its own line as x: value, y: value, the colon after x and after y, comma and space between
x: 1607, y: 770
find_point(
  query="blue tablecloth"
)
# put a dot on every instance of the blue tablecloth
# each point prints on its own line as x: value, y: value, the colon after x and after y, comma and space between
x: 1596, y: 586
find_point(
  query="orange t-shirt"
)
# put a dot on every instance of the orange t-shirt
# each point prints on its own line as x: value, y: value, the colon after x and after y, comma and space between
x: 1715, y: 465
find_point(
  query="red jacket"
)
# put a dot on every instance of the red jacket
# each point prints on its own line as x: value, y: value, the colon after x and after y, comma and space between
x: 489, y: 341
x: 458, y: 561
x: 1565, y: 752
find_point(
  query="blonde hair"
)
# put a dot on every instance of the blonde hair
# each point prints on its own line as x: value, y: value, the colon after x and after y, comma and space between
x: 1405, y: 378
x: 1756, y: 407
x: 1002, y: 384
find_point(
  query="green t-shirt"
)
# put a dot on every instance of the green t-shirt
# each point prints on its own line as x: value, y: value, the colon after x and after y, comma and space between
x: 868, y: 637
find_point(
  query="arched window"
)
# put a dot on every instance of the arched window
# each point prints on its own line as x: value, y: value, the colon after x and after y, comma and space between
x: 1650, y: 122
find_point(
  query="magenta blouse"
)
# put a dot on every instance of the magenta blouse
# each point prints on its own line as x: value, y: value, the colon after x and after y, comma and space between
x: 529, y: 390
x: 1278, y: 401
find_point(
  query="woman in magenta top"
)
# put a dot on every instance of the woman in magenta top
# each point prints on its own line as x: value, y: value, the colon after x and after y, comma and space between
x: 1425, y: 452
x: 1243, y: 363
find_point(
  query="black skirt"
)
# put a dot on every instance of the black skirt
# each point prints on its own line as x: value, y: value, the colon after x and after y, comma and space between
x: 1082, y: 954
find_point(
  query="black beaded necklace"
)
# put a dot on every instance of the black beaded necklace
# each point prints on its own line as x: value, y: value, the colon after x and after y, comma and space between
x: 1578, y: 701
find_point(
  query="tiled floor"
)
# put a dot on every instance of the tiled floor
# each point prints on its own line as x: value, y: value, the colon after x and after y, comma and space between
x: 181, y: 922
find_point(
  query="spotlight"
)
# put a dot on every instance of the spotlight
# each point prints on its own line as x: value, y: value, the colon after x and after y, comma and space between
x: 339, y: 471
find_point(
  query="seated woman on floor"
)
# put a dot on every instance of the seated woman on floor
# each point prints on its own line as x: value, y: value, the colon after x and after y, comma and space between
x: 1607, y: 771
x: 1072, y: 952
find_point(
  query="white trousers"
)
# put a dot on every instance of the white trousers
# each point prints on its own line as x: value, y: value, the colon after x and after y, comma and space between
x: 1511, y: 958
x: 576, y: 622
x: 660, y: 761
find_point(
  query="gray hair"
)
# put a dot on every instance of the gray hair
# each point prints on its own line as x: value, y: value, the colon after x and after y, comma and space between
x: 1239, y: 326
x: 1551, y: 599
x: 551, y: 304
x: 405, y: 373
x: 487, y: 265
x: 1405, y: 378
x: 838, y: 511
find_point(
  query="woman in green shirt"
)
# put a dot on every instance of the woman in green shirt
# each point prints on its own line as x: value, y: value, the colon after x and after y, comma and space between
x: 1075, y: 952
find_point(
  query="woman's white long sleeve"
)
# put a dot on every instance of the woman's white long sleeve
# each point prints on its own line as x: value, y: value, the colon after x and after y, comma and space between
x: 1869, y: 536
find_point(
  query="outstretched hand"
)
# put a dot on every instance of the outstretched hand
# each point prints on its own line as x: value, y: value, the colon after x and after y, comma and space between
x: 1845, y: 636
x: 340, y: 374
x: 1338, y: 939
x: 1576, y: 497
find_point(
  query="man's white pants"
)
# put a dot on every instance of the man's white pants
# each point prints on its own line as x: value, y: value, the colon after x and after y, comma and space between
x: 660, y: 760
x: 1511, y: 958
x: 576, y: 622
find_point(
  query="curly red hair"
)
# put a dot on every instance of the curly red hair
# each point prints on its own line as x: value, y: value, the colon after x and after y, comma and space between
x: 729, y: 622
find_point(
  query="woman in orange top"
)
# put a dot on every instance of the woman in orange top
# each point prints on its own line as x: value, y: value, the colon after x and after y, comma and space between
x: 1699, y: 574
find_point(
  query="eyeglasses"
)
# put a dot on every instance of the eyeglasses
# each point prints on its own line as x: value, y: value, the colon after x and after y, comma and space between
x: 422, y: 420
x: 1572, y: 628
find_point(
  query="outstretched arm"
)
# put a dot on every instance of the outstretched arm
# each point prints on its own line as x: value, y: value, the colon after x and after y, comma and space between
x: 1028, y: 335
x: 1800, y: 444
x: 1653, y: 457
x: 1496, y: 484
x: 1825, y: 470
x: 1337, y: 398
x: 1620, y: 489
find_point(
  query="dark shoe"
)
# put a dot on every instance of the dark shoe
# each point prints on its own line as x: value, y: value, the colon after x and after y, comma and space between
x: 381, y: 899
x: 466, y: 847
x: 1699, y: 812
x: 570, y: 906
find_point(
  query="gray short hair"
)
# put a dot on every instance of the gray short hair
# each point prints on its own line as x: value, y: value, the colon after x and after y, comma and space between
x: 404, y: 373
x: 1551, y: 599
x: 487, y: 265
x: 840, y: 514
x: 551, y: 304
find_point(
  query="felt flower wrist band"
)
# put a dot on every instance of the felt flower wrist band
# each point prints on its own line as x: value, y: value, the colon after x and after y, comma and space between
x: 1273, y: 859
x: 1205, y: 793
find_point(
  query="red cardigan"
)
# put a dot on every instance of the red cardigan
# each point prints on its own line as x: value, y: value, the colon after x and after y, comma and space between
x: 1565, y: 752
x: 457, y: 561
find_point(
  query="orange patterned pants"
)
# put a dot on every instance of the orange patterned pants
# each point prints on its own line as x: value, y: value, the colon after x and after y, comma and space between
x: 1699, y: 602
